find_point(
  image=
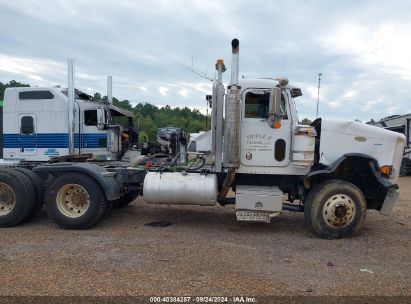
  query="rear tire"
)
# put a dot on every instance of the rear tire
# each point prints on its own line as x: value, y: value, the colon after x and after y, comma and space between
x: 38, y: 189
x: 17, y: 197
x: 335, y: 209
x: 125, y: 200
x: 75, y: 201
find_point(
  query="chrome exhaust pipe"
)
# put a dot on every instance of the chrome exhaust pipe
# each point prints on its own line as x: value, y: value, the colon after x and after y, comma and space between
x: 109, y: 89
x: 231, y: 154
x: 235, y: 66
x: 71, y: 98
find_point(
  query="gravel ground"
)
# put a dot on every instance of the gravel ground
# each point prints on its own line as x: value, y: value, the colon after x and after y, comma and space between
x: 206, y: 252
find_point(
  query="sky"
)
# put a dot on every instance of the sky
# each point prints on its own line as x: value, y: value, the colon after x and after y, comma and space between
x: 155, y: 49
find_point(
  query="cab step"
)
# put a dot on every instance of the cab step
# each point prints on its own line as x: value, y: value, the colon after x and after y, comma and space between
x: 253, y: 216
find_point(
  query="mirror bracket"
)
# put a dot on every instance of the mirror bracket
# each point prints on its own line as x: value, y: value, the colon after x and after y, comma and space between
x: 274, y: 112
x: 101, y: 118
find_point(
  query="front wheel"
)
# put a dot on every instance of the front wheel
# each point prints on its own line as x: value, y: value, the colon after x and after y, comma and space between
x: 335, y: 209
x: 75, y: 201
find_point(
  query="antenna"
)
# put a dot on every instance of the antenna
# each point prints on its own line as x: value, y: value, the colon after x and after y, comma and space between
x: 201, y: 74
x: 318, y: 96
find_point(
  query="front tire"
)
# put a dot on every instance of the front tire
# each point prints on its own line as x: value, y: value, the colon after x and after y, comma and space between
x: 335, y: 209
x: 75, y: 201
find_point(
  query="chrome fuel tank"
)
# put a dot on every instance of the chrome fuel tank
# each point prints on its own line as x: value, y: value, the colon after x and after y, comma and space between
x: 180, y: 188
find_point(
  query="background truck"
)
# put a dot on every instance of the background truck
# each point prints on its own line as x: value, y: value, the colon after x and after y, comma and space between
x: 333, y: 171
x: 400, y: 124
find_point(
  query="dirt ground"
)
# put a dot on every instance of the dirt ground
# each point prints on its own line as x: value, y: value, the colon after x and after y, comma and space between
x: 206, y: 252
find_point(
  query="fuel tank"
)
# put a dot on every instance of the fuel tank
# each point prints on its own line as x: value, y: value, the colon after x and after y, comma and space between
x: 303, y: 144
x: 180, y: 188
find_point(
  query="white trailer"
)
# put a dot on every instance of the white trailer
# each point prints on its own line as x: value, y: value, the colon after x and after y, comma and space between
x: 333, y: 171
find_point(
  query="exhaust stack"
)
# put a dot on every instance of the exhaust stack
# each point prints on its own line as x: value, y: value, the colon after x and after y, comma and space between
x: 235, y: 66
x: 231, y: 157
x: 217, y: 116
x: 231, y: 154
x: 109, y: 89
x: 71, y: 100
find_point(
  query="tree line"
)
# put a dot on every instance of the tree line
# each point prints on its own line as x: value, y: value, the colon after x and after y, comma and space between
x: 149, y: 117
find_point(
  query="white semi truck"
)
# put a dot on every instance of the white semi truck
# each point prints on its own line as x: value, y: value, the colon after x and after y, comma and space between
x: 333, y: 171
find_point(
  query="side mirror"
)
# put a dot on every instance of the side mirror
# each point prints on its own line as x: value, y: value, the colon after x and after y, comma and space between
x: 275, y: 111
x: 101, y: 118
x: 275, y: 102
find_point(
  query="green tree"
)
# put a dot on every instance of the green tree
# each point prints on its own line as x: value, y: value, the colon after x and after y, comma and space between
x: 97, y: 96
x: 306, y: 121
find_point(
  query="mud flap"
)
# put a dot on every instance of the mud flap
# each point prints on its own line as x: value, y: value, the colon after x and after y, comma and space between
x: 389, y: 202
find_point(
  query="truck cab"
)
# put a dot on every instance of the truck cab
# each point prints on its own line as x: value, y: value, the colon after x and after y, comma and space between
x: 281, y: 147
x: 36, y: 125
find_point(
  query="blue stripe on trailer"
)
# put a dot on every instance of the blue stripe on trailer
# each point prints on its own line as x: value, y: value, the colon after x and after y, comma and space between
x: 52, y: 140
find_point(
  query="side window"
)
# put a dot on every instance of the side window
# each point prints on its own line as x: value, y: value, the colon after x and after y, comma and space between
x: 90, y: 118
x: 35, y: 95
x: 27, y: 125
x: 256, y: 105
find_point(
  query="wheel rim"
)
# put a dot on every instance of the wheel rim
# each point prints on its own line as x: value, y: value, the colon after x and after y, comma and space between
x: 73, y: 200
x: 7, y: 199
x: 339, y: 211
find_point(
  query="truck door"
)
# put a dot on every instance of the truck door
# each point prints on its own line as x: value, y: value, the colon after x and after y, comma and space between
x: 261, y: 145
x: 91, y: 139
x: 27, y: 138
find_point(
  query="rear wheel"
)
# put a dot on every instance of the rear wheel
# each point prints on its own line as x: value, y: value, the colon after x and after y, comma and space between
x: 335, y: 209
x: 38, y: 187
x: 125, y: 200
x: 75, y: 201
x: 16, y: 197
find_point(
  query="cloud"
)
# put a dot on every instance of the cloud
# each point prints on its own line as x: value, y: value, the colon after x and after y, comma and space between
x: 361, y: 47
x: 163, y: 90
x: 350, y: 94
x: 382, y: 48
x: 184, y: 92
x: 29, y: 67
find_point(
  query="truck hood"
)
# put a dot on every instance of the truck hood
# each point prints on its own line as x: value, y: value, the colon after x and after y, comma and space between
x: 338, y: 137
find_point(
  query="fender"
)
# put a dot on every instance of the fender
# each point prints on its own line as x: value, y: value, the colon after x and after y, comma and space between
x: 105, y: 178
x: 332, y: 169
